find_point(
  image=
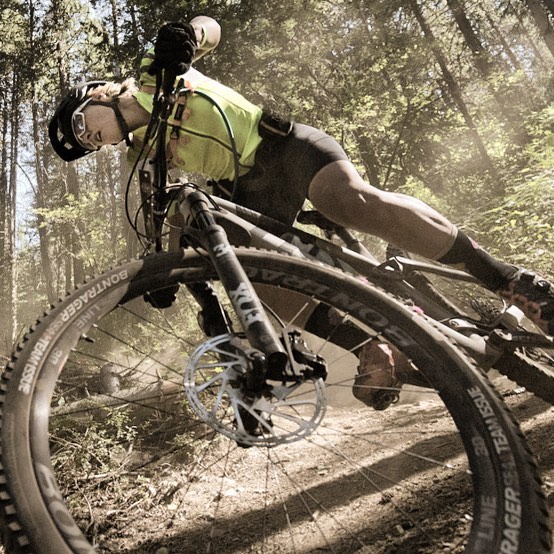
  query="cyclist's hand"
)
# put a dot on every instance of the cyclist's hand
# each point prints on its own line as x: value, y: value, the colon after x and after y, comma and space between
x: 175, y: 48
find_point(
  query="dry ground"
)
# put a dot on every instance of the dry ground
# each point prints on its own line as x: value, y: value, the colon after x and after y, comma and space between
x: 231, y: 510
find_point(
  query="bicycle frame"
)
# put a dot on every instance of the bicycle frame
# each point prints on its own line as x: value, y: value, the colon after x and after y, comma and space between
x: 245, y: 227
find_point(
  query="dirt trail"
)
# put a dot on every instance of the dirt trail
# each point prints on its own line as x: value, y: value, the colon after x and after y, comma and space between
x: 244, y: 499
x: 243, y: 510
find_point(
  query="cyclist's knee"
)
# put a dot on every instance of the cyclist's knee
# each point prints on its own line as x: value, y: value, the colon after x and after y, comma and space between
x: 339, y: 192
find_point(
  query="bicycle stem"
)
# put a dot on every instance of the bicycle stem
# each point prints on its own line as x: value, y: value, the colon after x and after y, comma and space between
x: 241, y: 293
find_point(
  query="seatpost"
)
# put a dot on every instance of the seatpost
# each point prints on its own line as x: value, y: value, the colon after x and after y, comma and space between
x: 247, y: 305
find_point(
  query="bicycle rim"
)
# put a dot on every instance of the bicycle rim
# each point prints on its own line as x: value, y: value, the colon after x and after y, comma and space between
x: 101, y: 451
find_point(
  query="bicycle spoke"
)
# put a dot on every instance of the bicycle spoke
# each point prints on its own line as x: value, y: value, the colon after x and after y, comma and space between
x: 157, y: 441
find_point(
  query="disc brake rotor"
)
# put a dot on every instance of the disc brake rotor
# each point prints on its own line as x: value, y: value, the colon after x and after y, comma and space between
x: 281, y: 413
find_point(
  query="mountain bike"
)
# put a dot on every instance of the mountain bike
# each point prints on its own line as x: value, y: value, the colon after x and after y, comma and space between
x: 106, y: 391
x: 493, y: 333
x: 141, y: 410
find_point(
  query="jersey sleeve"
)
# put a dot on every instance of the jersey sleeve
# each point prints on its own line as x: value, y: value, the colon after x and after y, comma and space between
x: 145, y: 78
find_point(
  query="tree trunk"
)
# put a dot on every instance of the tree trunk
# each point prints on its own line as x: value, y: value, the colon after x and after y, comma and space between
x: 452, y: 87
x: 76, y: 266
x: 523, y: 29
x: 5, y: 167
x: 131, y: 244
x: 369, y: 158
x: 9, y: 268
x: 5, y: 111
x: 44, y: 238
x: 142, y: 396
x: 118, y: 196
x: 514, y: 61
x: 480, y: 55
x: 542, y: 22
x: 116, y: 68
x: 485, y: 66
x: 549, y: 5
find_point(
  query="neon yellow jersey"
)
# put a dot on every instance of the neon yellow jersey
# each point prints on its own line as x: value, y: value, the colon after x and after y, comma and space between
x: 204, y: 145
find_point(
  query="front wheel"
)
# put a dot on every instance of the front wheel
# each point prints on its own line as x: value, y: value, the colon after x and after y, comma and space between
x: 101, y: 452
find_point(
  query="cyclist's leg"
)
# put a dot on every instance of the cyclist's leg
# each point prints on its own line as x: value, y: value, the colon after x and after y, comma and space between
x: 339, y: 192
x: 382, y: 368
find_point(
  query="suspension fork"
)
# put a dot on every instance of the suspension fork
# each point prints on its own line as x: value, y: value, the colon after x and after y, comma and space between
x: 241, y: 293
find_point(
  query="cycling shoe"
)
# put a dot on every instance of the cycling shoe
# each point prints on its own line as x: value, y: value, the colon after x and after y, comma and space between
x: 534, y: 296
x: 377, y: 384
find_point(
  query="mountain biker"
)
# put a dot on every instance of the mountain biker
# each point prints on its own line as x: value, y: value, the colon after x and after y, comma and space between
x: 280, y: 164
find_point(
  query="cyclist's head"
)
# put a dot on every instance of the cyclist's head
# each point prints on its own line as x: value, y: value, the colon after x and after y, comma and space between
x: 70, y: 131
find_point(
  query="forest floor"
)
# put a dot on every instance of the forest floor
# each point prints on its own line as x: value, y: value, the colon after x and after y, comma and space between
x: 154, y: 536
x: 535, y: 416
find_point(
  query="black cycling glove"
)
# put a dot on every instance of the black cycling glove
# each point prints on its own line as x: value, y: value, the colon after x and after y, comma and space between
x: 175, y: 48
x: 162, y: 298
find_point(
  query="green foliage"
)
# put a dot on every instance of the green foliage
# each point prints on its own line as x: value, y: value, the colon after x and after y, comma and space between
x: 89, y: 445
x: 367, y: 72
x: 521, y: 227
x: 98, y: 249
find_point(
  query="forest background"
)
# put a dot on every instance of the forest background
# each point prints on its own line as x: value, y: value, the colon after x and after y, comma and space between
x: 447, y: 100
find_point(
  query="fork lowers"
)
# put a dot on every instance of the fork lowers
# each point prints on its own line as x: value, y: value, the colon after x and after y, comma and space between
x: 242, y: 295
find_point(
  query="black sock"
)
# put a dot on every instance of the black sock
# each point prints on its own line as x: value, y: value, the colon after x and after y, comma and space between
x: 493, y: 273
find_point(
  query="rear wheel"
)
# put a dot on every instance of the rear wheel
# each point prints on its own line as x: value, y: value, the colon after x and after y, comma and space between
x: 102, y: 451
x: 532, y: 368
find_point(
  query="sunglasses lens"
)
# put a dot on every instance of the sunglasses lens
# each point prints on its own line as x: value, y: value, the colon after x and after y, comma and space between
x: 78, y: 124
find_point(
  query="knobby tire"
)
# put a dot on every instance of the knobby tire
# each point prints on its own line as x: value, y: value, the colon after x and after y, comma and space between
x: 77, y: 429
